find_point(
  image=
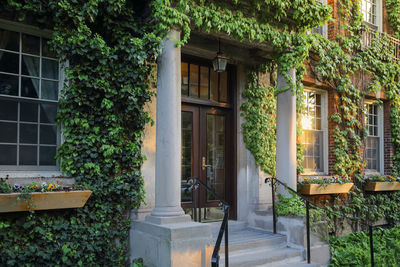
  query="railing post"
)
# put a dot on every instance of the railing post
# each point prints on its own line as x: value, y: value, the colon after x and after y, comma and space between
x: 195, y: 200
x: 371, y: 245
x: 308, y: 232
x: 273, y: 205
x: 227, y: 239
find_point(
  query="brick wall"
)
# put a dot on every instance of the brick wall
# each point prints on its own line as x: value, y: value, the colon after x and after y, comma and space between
x: 333, y: 26
x: 309, y: 80
x: 332, y: 108
x: 387, y: 135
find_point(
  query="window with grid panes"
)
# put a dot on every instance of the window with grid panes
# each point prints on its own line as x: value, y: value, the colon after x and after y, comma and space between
x: 312, y: 137
x: 201, y: 81
x: 369, y: 10
x: 29, y: 85
x: 372, y: 149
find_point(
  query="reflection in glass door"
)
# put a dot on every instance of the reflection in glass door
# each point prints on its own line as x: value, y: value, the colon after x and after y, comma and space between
x: 187, y: 151
x: 215, y: 153
x: 204, y: 155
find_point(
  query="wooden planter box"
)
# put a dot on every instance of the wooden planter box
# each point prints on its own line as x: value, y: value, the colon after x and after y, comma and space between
x: 44, y: 201
x: 382, y: 186
x: 319, y: 189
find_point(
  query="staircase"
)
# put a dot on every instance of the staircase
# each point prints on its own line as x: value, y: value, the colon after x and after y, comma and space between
x: 249, y: 247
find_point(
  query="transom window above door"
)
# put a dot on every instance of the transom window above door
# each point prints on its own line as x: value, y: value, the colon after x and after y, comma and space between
x: 29, y: 86
x: 202, y: 82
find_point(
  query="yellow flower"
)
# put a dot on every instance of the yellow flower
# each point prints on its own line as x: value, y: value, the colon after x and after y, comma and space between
x: 50, y: 187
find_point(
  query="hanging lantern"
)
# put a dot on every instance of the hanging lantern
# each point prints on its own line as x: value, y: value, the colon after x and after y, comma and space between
x: 220, y: 61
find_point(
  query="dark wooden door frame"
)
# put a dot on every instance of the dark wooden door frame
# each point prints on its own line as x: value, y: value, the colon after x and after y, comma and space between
x: 189, y: 104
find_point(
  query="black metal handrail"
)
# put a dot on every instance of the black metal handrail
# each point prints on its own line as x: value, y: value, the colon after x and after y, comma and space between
x: 307, y: 202
x: 195, y: 182
x: 310, y: 204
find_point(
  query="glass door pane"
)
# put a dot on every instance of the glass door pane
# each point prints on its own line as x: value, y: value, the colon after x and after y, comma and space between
x: 187, y: 155
x: 215, y: 153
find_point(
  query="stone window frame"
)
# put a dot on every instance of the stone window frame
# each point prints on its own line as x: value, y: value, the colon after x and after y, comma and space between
x: 324, y: 129
x: 29, y: 171
x: 380, y: 135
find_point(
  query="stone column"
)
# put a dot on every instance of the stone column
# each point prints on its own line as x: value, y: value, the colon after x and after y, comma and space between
x: 286, y: 132
x: 167, y: 237
x: 168, y: 134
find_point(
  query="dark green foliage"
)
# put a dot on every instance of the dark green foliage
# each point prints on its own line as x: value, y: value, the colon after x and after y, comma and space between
x: 354, y: 250
x: 260, y: 126
x: 110, y: 54
x: 290, y: 206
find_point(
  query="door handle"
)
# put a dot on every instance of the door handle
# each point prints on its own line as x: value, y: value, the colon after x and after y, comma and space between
x: 203, y: 165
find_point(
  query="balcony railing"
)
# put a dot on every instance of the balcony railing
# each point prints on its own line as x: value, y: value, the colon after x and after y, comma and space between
x: 368, y: 36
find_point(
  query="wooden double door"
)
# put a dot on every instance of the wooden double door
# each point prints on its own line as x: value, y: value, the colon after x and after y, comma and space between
x: 207, y: 153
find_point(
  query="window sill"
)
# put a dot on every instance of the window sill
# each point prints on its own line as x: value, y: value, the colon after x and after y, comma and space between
x: 27, y: 177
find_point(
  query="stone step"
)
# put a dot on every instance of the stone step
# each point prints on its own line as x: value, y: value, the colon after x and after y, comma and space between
x: 233, y: 226
x: 295, y: 264
x: 251, y: 239
x: 260, y: 257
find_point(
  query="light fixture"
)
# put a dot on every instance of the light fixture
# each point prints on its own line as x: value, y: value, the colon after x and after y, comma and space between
x: 220, y: 61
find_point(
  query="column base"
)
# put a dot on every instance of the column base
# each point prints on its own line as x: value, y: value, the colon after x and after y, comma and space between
x: 171, y: 245
x: 174, y: 211
x: 167, y: 220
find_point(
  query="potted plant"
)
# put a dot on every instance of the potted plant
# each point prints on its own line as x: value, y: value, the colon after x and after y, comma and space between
x: 325, y: 185
x: 40, y: 197
x: 377, y: 183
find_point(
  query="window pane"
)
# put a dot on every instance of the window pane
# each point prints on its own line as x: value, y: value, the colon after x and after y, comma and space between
x: 48, y: 134
x: 8, y: 110
x: 46, y: 51
x: 30, y: 87
x: 213, y: 85
x: 223, y: 87
x: 47, y: 155
x: 27, y: 155
x: 185, y: 79
x: 48, y: 113
x: 8, y: 133
x: 30, y: 44
x: 30, y: 66
x: 186, y: 164
x: 318, y: 99
x: 9, y: 40
x: 204, y: 82
x: 8, y: 155
x: 28, y: 112
x: 194, y: 81
x: 9, y: 62
x: 50, y: 69
x: 49, y: 90
x: 8, y: 84
x: 28, y: 133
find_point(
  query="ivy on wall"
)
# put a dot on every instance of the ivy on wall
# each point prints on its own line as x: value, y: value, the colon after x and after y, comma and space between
x: 110, y: 56
x: 393, y: 8
x: 259, y: 128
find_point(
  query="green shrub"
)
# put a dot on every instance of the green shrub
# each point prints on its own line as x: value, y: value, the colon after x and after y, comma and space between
x: 353, y: 249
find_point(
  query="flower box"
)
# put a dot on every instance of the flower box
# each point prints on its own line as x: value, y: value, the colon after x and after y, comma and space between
x: 325, y: 189
x: 44, y: 200
x: 382, y: 186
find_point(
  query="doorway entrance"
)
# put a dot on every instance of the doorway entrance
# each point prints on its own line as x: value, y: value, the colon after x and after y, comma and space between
x: 207, y: 137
